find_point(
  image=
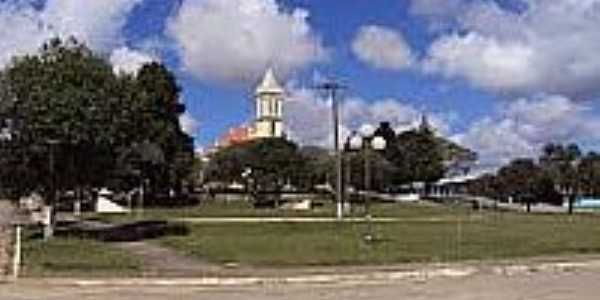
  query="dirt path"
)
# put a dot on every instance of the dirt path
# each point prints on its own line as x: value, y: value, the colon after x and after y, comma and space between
x: 162, y: 261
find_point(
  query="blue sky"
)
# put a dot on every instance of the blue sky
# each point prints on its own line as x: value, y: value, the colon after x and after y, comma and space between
x: 219, y: 106
x: 502, y: 77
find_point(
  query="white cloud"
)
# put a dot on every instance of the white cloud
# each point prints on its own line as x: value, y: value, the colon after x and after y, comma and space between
x: 520, y: 128
x: 382, y: 48
x: 484, y: 61
x: 189, y: 124
x: 436, y: 8
x: 235, y: 40
x: 308, y: 117
x: 550, y: 46
x: 23, y: 28
x: 97, y: 23
x: 129, y: 61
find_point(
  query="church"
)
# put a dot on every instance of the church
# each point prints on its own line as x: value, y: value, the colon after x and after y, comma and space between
x: 269, y: 99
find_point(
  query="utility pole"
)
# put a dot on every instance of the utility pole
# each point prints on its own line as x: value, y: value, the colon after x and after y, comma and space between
x: 332, y: 87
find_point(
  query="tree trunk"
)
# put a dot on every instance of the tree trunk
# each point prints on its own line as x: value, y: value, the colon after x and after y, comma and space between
x: 571, y: 202
x: 48, y: 213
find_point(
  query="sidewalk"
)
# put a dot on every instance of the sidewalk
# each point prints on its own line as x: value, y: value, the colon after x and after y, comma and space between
x: 342, y: 275
x: 281, y: 220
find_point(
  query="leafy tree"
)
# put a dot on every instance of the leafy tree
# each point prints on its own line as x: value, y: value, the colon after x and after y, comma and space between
x: 59, y: 107
x: 318, y: 167
x: 560, y: 161
x: 589, y: 174
x: 274, y: 162
x: 73, y: 120
x: 417, y: 156
x: 518, y: 179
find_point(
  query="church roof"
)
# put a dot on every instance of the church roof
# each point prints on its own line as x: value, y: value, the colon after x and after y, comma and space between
x: 269, y: 84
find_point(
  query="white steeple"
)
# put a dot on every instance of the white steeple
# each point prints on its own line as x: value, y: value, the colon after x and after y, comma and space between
x: 269, y: 84
x: 269, y: 98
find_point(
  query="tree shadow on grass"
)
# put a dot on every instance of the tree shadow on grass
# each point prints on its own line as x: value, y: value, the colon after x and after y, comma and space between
x: 128, y: 232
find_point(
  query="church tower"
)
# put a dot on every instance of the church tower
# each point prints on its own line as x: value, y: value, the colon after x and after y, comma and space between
x: 269, y: 96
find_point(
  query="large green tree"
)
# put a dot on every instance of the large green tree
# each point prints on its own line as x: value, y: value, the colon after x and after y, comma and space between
x: 273, y: 163
x: 73, y: 119
x: 417, y: 156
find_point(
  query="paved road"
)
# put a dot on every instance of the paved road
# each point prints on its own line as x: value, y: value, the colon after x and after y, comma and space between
x: 580, y: 285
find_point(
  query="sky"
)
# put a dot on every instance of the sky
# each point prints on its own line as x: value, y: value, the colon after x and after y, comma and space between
x: 502, y: 77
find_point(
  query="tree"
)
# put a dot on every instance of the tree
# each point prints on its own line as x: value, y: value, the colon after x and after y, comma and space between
x: 60, y: 100
x: 560, y: 161
x: 589, y: 174
x: 318, y: 167
x: 274, y: 162
x: 153, y: 118
x: 72, y: 118
x: 417, y: 156
x: 518, y: 179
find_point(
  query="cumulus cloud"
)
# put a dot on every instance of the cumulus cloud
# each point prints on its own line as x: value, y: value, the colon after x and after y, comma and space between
x: 308, y: 117
x: 520, y: 128
x: 235, y: 40
x: 23, y: 27
x: 129, y: 61
x: 549, y: 46
x: 97, y: 23
x: 189, y: 124
x: 436, y: 8
x: 382, y: 48
x: 20, y: 30
x: 484, y: 61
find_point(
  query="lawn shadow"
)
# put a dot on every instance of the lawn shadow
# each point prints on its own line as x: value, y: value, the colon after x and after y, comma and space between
x: 127, y: 232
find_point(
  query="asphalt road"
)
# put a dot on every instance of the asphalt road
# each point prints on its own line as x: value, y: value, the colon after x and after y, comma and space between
x: 580, y: 285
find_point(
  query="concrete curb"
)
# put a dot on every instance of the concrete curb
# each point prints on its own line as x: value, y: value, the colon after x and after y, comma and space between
x: 379, y: 277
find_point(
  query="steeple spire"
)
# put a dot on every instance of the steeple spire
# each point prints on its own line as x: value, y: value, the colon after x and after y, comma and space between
x: 269, y: 84
x: 425, y: 125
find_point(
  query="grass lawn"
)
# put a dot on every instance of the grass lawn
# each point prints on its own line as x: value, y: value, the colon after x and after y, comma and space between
x: 457, y: 236
x: 75, y: 257
x: 245, y: 209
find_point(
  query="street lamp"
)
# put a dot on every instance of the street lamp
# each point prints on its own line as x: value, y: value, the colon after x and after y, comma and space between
x: 49, y: 211
x: 367, y: 142
x: 333, y: 87
x: 574, y: 189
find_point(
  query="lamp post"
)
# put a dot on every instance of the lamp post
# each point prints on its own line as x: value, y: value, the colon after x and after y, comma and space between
x: 332, y: 87
x: 574, y: 189
x: 369, y: 143
x: 49, y: 209
x: 5, y: 139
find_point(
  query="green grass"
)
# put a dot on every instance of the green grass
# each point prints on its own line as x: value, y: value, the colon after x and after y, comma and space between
x: 423, y: 233
x: 245, y: 209
x: 75, y: 257
x: 213, y: 209
x: 486, y: 237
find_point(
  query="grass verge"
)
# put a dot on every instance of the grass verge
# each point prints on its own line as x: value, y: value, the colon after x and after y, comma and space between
x: 61, y: 257
x: 486, y: 237
x: 244, y: 209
